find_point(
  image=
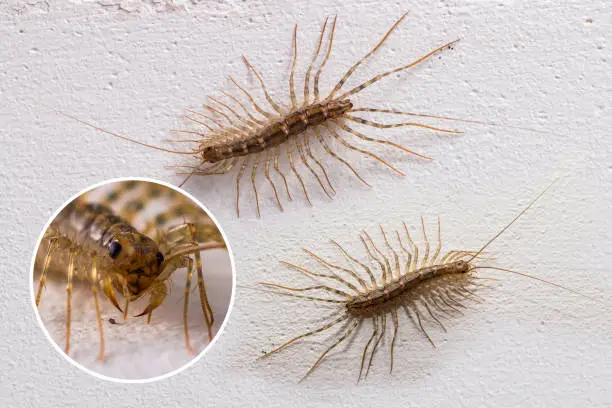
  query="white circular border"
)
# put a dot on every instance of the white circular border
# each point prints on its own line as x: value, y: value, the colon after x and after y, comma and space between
x: 173, y: 372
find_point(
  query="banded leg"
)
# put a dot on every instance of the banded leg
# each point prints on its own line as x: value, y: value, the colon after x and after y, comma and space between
x: 267, y: 174
x: 291, y: 87
x: 358, y: 63
x: 253, y: 174
x: 378, y: 340
x: 301, y: 336
x: 309, y: 152
x: 393, y: 71
x: 297, y: 174
x: 340, y: 340
x: 258, y: 108
x: 340, y: 159
x: 365, y: 349
x: 367, y: 153
x: 278, y: 170
x: 263, y: 86
x: 384, y: 142
x: 238, y: 177
x: 244, y: 109
x: 314, y: 173
x: 395, y: 328
x: 340, y: 268
x: 309, y: 70
x: 415, y: 249
x: 368, y: 270
x: 427, y: 245
x: 386, y: 266
x: 383, y: 272
x: 329, y: 48
x: 395, y: 256
x: 396, y: 125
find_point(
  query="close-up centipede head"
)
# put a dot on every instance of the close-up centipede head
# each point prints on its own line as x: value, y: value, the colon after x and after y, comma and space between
x: 114, y: 254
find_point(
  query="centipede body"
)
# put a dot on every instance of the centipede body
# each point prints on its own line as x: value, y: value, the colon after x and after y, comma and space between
x: 396, y: 278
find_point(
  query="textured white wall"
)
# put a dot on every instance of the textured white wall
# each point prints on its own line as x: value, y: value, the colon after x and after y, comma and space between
x: 133, y: 69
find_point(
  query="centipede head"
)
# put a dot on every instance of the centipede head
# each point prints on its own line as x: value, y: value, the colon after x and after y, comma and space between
x: 463, y: 266
x: 210, y: 154
x: 136, y: 258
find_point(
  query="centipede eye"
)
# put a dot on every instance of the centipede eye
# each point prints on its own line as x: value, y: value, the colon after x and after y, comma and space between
x: 114, y: 249
x: 160, y: 258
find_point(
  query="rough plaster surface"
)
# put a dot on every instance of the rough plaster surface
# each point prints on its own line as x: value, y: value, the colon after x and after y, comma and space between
x: 539, y: 64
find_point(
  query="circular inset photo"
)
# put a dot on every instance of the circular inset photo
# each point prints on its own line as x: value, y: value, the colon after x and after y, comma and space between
x: 132, y: 280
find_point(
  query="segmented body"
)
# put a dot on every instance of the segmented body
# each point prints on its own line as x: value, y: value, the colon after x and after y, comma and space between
x: 238, y: 136
x: 89, y: 242
x: 429, y: 288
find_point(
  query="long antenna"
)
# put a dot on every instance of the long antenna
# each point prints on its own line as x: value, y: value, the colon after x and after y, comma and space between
x: 91, y: 125
x: 513, y: 221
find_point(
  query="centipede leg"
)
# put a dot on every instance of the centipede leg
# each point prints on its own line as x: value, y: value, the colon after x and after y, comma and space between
x: 327, y: 54
x: 53, y: 242
x: 418, y: 315
x: 301, y: 336
x: 94, y: 291
x: 427, y: 245
x: 433, y: 316
x: 238, y: 177
x: 362, y: 151
x: 267, y: 174
x: 365, y: 349
x: 378, y: 340
x: 186, y: 305
x: 277, y: 168
x: 340, y: 159
x: 205, y: 305
x: 309, y: 167
x: 313, y: 158
x: 70, y: 275
x: 253, y: 174
x: 297, y: 174
x: 340, y: 340
x: 395, y: 328
x: 291, y: 87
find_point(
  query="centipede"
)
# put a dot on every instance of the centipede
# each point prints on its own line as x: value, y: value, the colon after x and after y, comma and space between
x: 428, y: 287
x: 234, y: 131
x: 115, y: 242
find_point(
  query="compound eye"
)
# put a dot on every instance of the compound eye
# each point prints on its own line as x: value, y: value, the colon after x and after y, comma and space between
x: 114, y: 249
x: 160, y: 258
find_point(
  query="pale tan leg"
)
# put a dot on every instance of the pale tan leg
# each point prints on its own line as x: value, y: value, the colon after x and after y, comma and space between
x: 263, y: 86
x: 329, y: 48
x: 309, y: 152
x: 291, y: 87
x: 396, y: 125
x: 340, y: 159
x: 365, y: 350
x: 268, y: 115
x: 94, y: 291
x: 308, y: 71
x: 378, y: 340
x: 427, y: 245
x: 384, y: 142
x: 395, y: 328
x: 354, y: 67
x: 267, y: 174
x: 277, y: 168
x: 186, y: 306
x: 244, y: 109
x: 393, y: 71
x: 253, y: 174
x: 70, y: 275
x: 314, y: 173
x: 297, y: 174
x: 301, y: 336
x: 367, y: 153
x: 340, y: 340
x: 406, y: 251
x: 395, y: 256
x: 415, y: 249
x: 238, y: 177
x: 368, y: 270
x: 53, y: 242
